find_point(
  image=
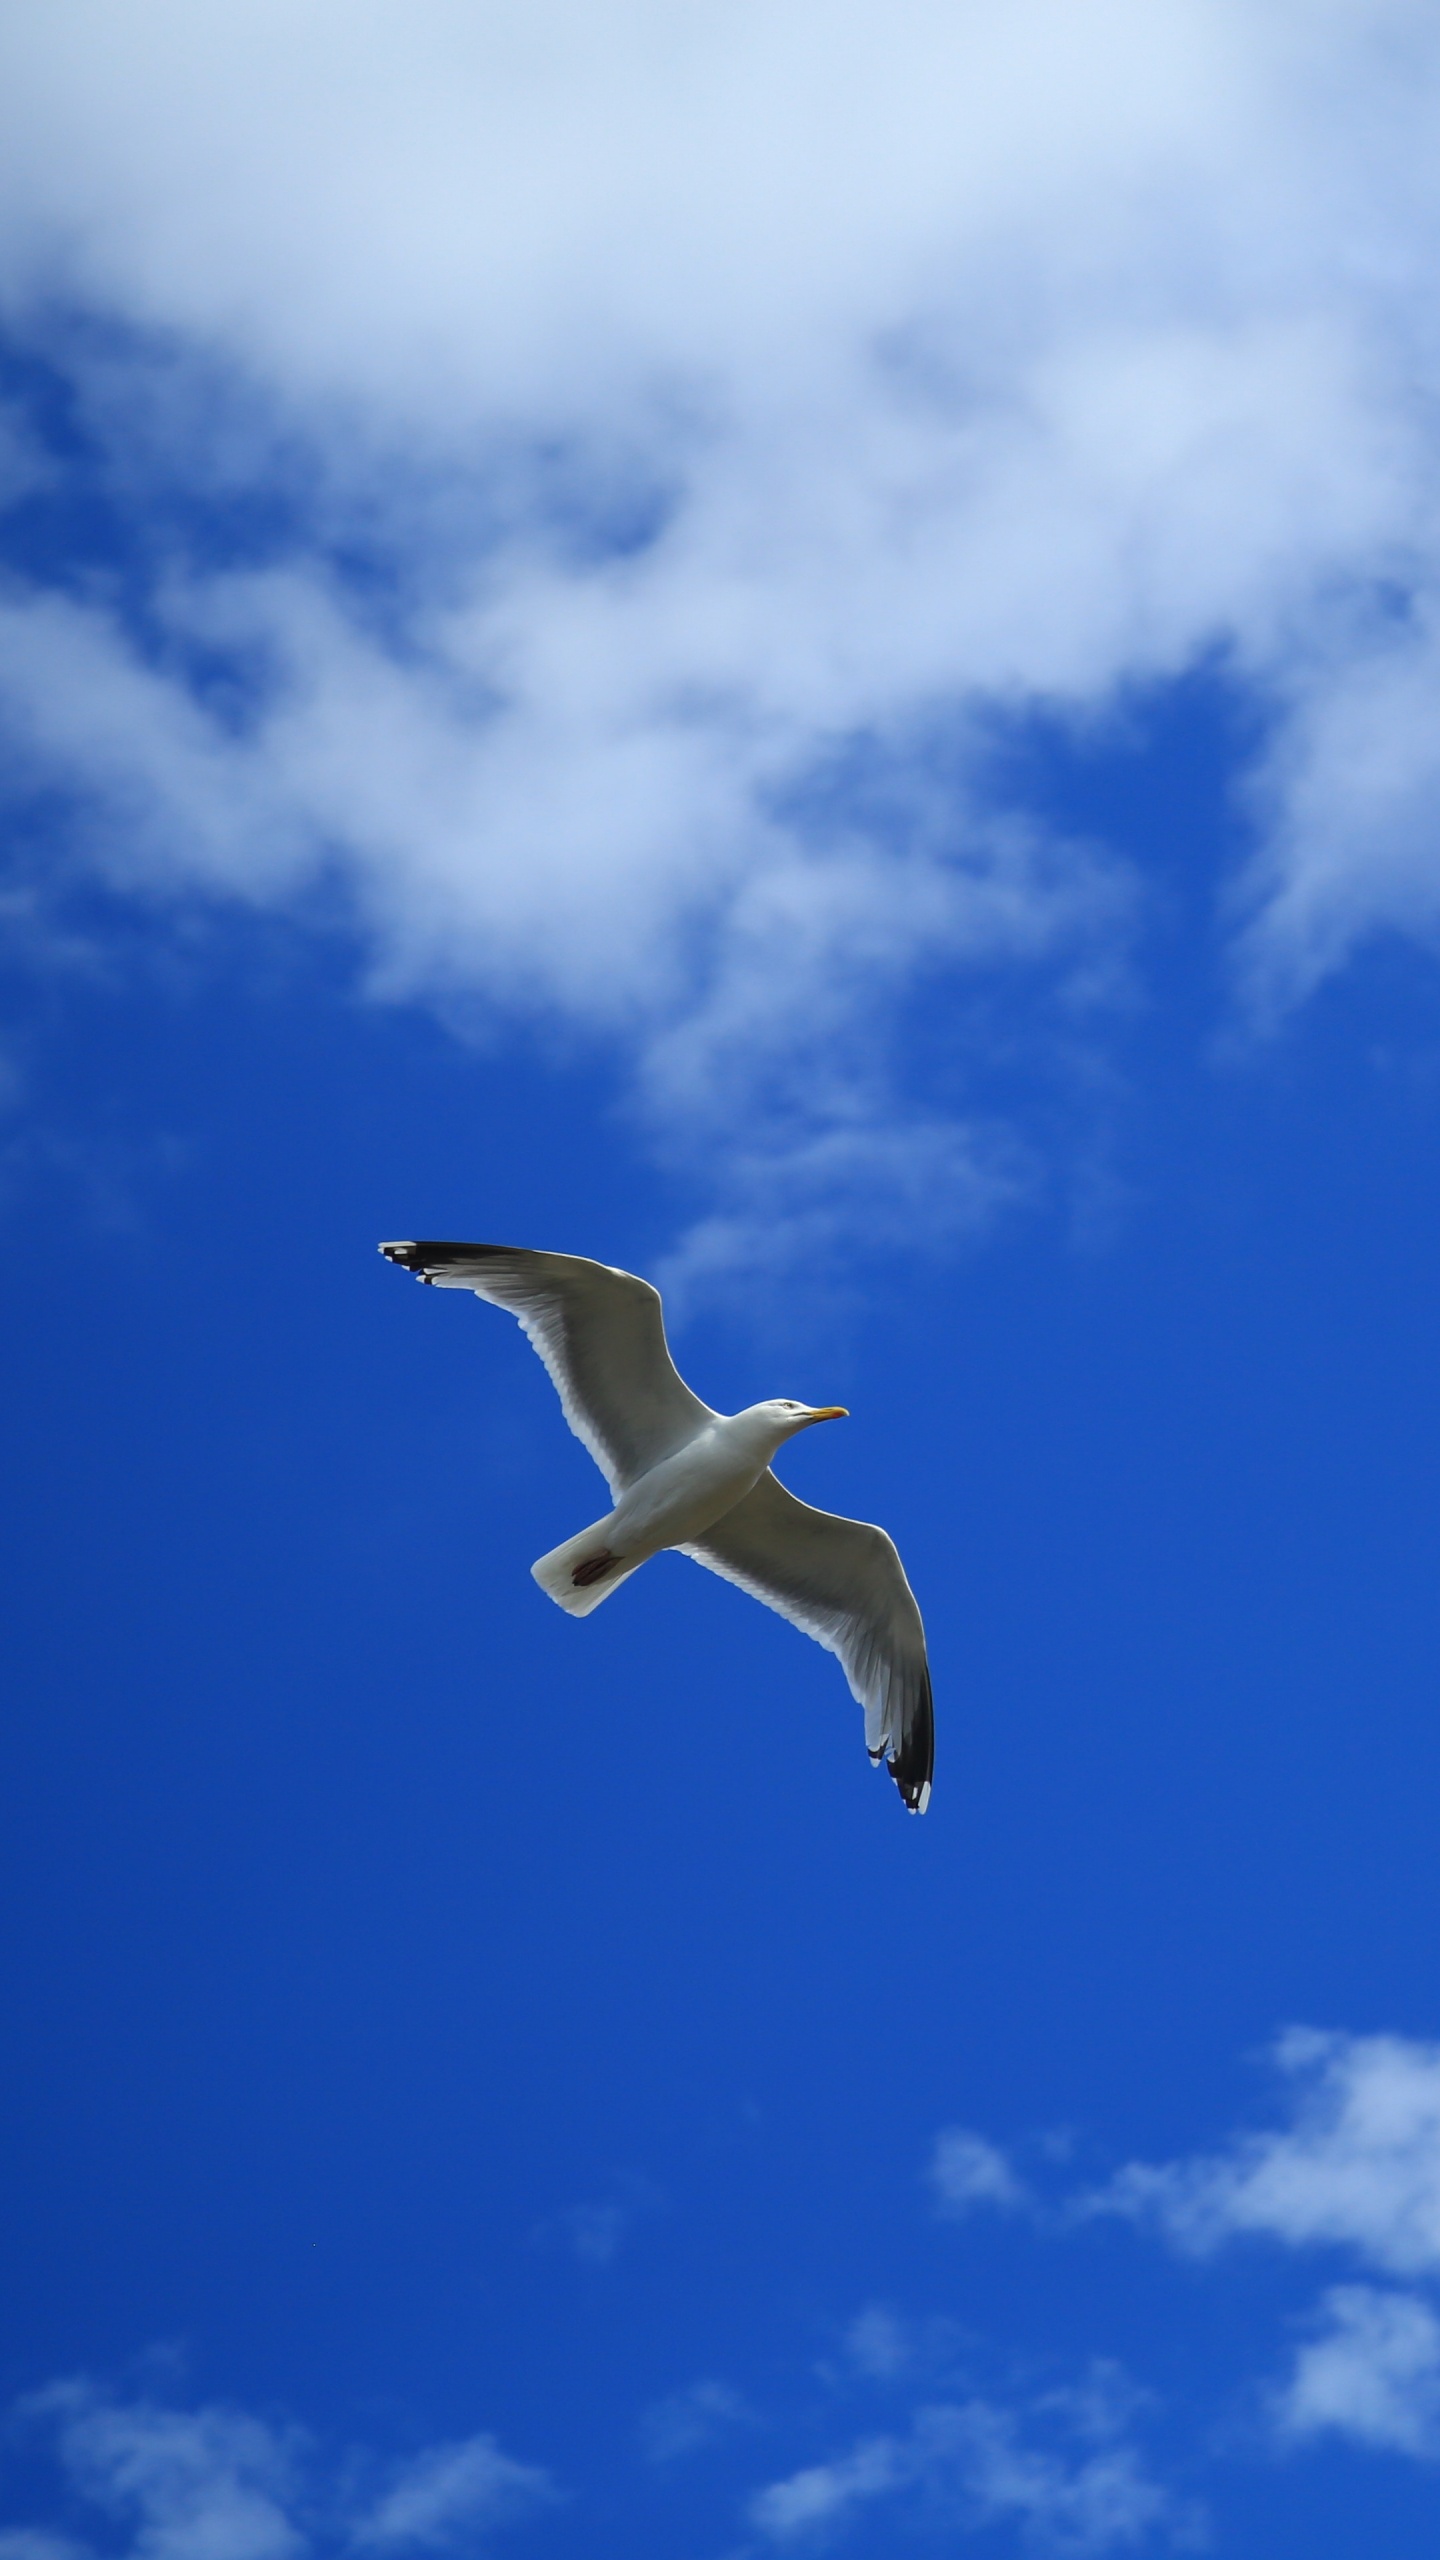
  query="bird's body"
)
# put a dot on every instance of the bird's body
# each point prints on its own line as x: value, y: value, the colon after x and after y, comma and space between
x: 671, y: 1505
x: 682, y: 1475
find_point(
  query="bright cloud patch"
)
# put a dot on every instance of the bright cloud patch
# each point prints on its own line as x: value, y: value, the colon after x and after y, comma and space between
x: 1372, y: 2372
x: 1357, y: 2166
x: 588, y: 503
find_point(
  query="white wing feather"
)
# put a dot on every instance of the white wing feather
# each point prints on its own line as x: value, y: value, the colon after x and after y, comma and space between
x: 601, y: 1335
x: 843, y: 1583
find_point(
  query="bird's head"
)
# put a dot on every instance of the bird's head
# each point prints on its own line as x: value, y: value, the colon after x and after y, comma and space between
x: 784, y: 1417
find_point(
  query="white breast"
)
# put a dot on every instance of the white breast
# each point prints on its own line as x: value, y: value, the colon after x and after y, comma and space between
x: 687, y: 1493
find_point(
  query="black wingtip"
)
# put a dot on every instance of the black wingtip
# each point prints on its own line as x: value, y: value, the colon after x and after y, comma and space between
x: 428, y: 1255
x: 913, y: 1766
x: 410, y: 1257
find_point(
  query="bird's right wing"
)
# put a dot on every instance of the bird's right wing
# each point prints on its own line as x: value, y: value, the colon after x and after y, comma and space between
x: 601, y: 1335
x: 843, y: 1582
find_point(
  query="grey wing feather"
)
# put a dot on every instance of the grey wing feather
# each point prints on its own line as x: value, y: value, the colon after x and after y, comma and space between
x: 601, y: 1335
x: 843, y: 1583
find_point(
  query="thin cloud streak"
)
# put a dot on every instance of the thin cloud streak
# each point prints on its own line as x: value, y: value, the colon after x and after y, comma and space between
x: 448, y: 2494
x: 972, y: 2464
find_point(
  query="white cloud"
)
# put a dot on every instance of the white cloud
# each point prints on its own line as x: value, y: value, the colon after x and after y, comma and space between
x: 1101, y: 2502
x: 449, y: 2494
x: 967, y: 2171
x: 1373, y: 2372
x: 1357, y: 2166
x: 822, y: 2493
x: 732, y: 414
x: 971, y: 2465
x: 202, y: 2484
x: 218, y: 2484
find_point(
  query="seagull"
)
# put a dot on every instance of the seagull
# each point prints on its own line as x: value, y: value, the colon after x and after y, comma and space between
x: 682, y: 1475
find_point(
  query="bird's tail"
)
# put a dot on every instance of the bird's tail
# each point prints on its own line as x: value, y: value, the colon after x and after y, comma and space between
x: 587, y: 1555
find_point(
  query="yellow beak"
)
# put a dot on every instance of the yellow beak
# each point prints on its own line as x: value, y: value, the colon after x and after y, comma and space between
x: 829, y: 1413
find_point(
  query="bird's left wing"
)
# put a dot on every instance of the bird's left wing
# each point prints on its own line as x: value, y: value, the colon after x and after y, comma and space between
x: 601, y: 1335
x: 843, y: 1582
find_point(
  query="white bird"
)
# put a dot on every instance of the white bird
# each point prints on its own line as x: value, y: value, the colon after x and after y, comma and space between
x: 682, y: 1475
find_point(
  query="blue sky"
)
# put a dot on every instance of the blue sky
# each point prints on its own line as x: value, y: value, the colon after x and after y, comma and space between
x: 798, y: 650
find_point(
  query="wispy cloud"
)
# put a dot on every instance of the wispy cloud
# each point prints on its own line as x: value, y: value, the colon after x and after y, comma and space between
x: 1063, y: 2470
x: 598, y: 2229
x: 448, y: 2495
x: 686, y: 2421
x: 26, y: 2542
x: 879, y: 2342
x: 194, y: 2484
x: 217, y: 2483
x: 967, y: 2172
x: 827, y: 2491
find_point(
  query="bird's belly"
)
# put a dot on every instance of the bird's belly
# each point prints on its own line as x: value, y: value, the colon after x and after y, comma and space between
x: 681, y: 1498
